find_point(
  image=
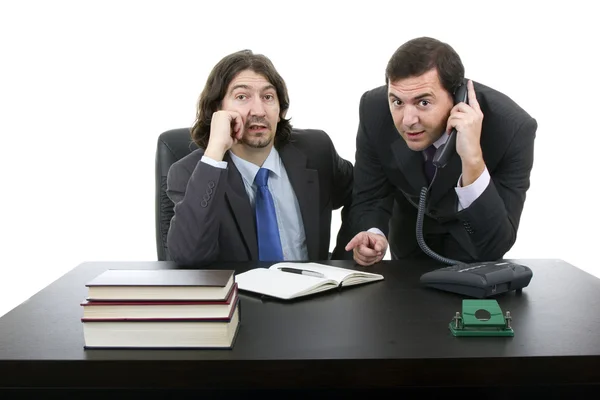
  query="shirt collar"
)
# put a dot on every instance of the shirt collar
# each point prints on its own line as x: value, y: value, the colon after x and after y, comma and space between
x: 249, y: 170
x: 443, y: 139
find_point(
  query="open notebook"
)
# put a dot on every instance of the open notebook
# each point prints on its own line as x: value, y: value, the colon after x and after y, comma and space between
x: 303, y: 281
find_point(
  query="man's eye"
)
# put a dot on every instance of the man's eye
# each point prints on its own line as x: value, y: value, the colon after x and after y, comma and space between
x: 424, y: 103
x: 269, y: 97
x: 240, y: 96
x: 396, y: 103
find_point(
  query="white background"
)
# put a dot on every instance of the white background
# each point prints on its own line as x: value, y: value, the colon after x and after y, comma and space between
x: 86, y: 87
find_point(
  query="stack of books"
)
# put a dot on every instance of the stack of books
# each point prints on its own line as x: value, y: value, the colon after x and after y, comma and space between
x: 165, y: 308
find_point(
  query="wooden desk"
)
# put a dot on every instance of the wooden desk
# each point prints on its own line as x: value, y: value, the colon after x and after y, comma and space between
x: 391, y: 334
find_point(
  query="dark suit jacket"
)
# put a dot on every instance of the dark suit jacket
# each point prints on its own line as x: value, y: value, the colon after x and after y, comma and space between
x: 388, y: 178
x: 214, y: 220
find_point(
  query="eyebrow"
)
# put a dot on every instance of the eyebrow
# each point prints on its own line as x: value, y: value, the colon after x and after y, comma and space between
x: 416, y: 98
x: 246, y: 87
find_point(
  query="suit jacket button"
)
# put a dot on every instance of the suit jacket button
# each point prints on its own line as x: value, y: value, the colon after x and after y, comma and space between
x: 211, y: 184
x: 206, y: 197
x: 204, y: 203
x: 209, y: 191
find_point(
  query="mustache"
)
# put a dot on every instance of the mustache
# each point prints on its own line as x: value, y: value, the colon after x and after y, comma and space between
x: 257, y: 121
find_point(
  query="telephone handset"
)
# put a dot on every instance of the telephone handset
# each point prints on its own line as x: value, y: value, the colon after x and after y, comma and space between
x: 445, y: 151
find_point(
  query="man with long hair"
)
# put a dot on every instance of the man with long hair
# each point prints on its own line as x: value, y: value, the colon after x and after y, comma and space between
x: 256, y: 189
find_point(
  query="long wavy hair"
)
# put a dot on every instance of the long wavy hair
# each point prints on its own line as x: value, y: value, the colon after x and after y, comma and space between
x: 216, y: 87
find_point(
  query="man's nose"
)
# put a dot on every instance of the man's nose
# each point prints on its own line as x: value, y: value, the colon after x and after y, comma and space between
x: 410, y: 117
x: 257, y: 107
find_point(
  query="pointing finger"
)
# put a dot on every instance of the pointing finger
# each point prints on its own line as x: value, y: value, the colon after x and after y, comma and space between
x: 360, y: 238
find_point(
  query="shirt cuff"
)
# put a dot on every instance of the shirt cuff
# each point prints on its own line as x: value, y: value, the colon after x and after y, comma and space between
x: 210, y: 161
x: 468, y: 194
x: 376, y: 230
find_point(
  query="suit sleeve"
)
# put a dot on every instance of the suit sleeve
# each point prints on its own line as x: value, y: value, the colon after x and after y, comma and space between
x: 198, y: 197
x: 492, y: 220
x: 341, y: 195
x: 372, y: 192
x: 343, y: 178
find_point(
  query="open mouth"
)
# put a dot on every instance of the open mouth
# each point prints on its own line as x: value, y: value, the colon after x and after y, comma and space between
x: 257, y: 128
x: 414, y: 135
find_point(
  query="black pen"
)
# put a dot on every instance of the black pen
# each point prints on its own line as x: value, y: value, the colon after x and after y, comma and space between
x: 302, y: 272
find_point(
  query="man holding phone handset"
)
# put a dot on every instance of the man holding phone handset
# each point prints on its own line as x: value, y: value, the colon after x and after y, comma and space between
x: 475, y: 202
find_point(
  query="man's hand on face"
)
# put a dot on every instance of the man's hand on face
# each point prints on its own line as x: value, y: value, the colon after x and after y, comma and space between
x: 368, y: 248
x: 226, y: 129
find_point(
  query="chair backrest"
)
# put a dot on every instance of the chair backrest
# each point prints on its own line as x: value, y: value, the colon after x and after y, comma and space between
x: 172, y: 146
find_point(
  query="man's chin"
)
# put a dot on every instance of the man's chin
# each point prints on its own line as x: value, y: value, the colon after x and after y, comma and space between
x: 417, y: 146
x: 257, y: 143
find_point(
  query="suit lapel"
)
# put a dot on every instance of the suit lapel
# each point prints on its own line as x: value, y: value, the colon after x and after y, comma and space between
x: 305, y: 183
x: 240, y: 205
x: 411, y: 165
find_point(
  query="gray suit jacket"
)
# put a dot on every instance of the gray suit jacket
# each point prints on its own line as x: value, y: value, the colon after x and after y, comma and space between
x: 388, y: 178
x: 214, y: 220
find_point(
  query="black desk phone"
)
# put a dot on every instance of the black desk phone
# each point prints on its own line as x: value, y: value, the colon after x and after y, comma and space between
x: 479, y: 280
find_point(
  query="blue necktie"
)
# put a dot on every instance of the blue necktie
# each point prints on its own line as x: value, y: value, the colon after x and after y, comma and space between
x: 269, y: 243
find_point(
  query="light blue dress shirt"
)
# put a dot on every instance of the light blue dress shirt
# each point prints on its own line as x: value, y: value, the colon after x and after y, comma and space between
x: 289, y: 217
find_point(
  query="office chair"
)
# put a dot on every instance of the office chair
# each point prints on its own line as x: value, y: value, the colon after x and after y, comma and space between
x: 172, y: 146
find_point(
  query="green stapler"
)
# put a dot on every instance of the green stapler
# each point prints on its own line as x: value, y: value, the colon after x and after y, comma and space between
x: 481, y: 318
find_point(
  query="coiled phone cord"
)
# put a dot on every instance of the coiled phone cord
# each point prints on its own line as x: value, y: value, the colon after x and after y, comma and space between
x: 420, y: 239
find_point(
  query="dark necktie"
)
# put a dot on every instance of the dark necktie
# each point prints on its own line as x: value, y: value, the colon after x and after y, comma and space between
x: 269, y: 243
x: 429, y: 167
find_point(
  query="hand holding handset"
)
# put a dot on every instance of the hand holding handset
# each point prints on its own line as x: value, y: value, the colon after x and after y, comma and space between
x: 445, y: 151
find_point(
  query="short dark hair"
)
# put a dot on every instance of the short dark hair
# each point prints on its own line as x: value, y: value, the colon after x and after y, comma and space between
x: 420, y: 55
x: 216, y: 87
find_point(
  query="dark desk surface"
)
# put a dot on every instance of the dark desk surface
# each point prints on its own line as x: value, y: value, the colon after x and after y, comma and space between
x: 387, y: 334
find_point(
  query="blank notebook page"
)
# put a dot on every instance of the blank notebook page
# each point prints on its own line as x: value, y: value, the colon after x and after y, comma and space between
x: 275, y: 283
